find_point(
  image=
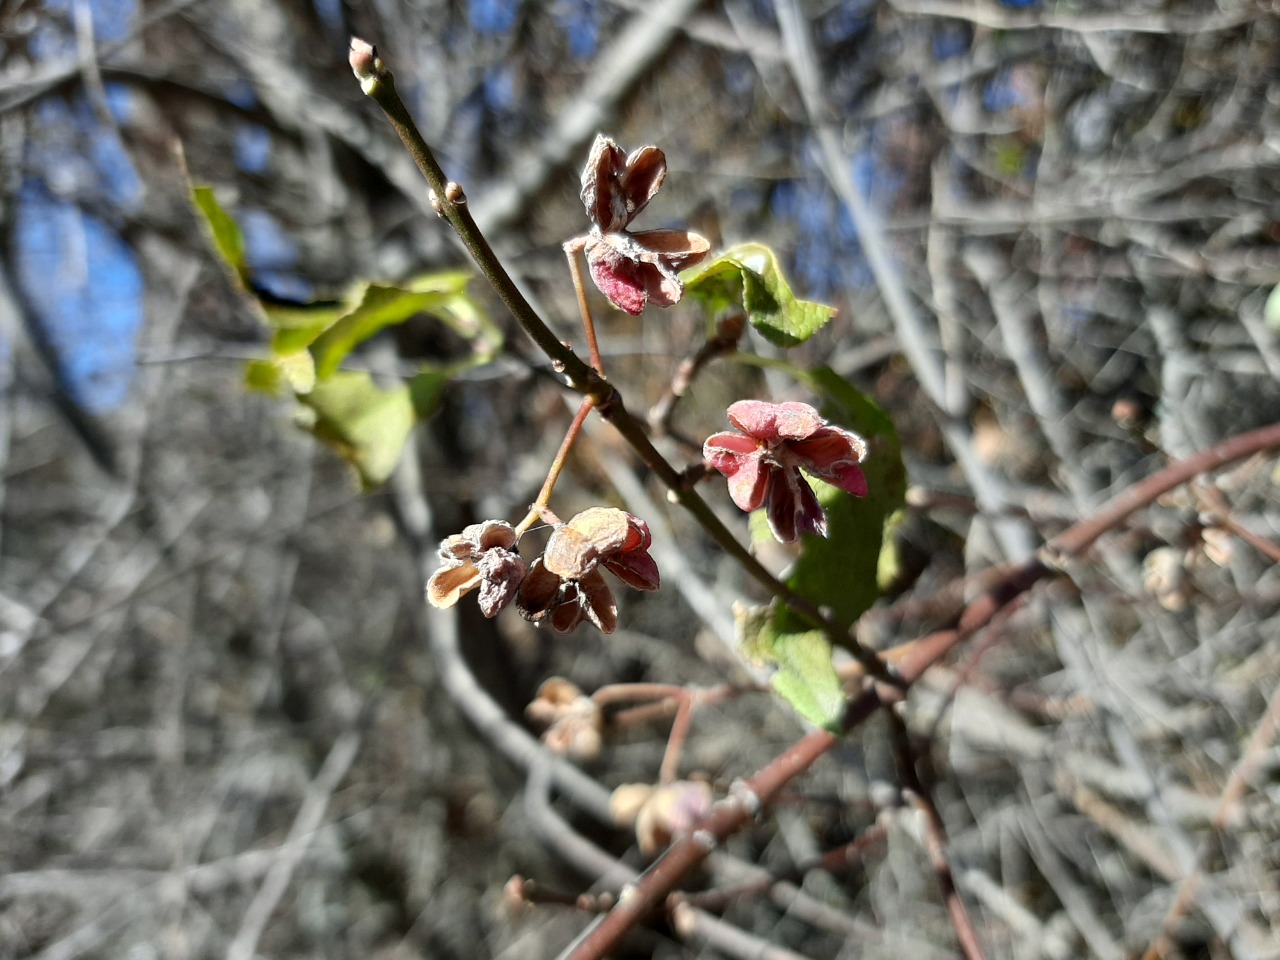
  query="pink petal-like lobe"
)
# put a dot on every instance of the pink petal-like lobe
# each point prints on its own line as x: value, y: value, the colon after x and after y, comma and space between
x: 830, y: 447
x: 646, y: 168
x: 729, y: 445
x: 618, y: 278
x: 849, y: 478
x: 636, y: 569
x: 602, y: 192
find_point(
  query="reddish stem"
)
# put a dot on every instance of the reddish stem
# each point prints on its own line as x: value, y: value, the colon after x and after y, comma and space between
x: 571, y: 250
x: 538, y: 510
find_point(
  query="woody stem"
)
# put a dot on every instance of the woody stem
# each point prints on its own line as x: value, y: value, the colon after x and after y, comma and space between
x: 448, y: 200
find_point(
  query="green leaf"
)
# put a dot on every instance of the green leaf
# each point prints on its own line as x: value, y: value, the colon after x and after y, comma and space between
x: 223, y: 231
x: 296, y: 328
x: 378, y: 307
x: 426, y: 390
x: 263, y: 376
x: 805, y: 677
x: 889, y: 567
x: 842, y: 571
x: 366, y: 424
x: 333, y: 331
x: 750, y: 274
x: 717, y: 283
x: 295, y: 371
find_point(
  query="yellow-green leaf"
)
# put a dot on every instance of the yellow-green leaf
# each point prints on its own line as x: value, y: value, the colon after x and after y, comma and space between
x: 751, y: 275
x: 806, y: 677
x: 379, y: 306
x: 295, y: 371
x: 263, y: 376
x: 365, y: 423
x: 223, y: 232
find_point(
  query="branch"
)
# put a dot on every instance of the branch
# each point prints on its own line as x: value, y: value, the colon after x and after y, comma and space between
x: 990, y: 14
x: 918, y: 795
x: 341, y: 755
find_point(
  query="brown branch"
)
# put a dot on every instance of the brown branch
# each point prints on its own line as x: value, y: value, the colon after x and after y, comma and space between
x: 843, y: 858
x: 919, y: 796
x: 1080, y: 537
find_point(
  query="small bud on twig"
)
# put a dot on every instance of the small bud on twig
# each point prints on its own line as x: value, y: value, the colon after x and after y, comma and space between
x: 364, y: 61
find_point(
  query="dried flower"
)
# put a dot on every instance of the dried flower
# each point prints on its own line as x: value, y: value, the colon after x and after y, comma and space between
x: 632, y: 269
x: 1164, y: 574
x: 626, y: 802
x: 660, y: 813
x: 573, y: 720
x: 763, y: 463
x: 564, y: 586
x: 483, y: 556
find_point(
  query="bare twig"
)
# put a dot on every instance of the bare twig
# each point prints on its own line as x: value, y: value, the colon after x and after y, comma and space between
x: 780, y: 886
x: 690, y: 923
x: 727, y: 336
x: 987, y: 13
x: 708, y: 931
x: 310, y: 815
x: 1264, y: 732
x: 921, y: 799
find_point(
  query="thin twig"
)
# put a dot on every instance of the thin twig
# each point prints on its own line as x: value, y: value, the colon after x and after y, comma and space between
x: 702, y: 928
x: 987, y: 13
x: 920, y: 797
x: 341, y: 755
x: 1251, y: 759
x: 571, y: 250
x: 728, y: 334
x: 538, y: 510
x: 1081, y: 536
x: 676, y: 738
x: 837, y: 861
